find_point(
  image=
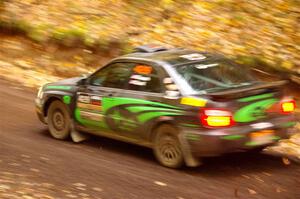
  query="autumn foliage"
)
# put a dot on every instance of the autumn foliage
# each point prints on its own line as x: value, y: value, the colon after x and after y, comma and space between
x: 267, y: 30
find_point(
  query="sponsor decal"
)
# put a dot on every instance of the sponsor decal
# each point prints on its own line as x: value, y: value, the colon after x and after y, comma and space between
x: 168, y: 80
x: 204, y: 66
x: 91, y: 116
x: 137, y: 82
x: 261, y: 137
x: 142, y: 69
x: 193, y: 56
x: 67, y: 99
x: 140, y: 77
x: 96, y: 100
x: 172, y: 87
x: 172, y: 94
x: 59, y: 87
x: 90, y: 107
x: 262, y: 125
x: 84, y: 99
x: 191, y: 101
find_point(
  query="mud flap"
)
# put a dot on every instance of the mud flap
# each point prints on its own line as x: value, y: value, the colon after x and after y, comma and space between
x: 189, y: 159
x: 77, y: 136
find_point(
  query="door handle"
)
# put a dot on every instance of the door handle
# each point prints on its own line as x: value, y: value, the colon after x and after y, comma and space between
x: 111, y: 94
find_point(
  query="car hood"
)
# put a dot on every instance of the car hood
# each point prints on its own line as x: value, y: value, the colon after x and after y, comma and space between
x: 67, y: 82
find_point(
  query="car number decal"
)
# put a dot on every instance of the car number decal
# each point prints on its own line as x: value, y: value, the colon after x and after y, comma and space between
x: 193, y: 56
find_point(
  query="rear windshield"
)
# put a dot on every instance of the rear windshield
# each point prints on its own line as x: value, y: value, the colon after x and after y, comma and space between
x: 215, y: 75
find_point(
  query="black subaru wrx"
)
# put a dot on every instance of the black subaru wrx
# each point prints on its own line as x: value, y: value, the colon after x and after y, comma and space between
x: 183, y: 104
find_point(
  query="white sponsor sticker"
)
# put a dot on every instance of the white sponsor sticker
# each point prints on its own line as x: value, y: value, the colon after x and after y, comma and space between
x: 167, y: 80
x: 137, y: 82
x: 204, y: 66
x: 140, y: 77
x: 84, y: 98
x: 193, y: 56
x: 262, y: 125
x: 172, y: 87
x: 95, y: 97
x: 172, y: 94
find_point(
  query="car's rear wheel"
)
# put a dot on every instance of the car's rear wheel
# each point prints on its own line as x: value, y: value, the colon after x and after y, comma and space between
x: 59, y: 121
x: 167, y: 148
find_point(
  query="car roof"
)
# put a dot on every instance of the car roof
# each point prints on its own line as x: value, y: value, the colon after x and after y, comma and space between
x: 172, y: 57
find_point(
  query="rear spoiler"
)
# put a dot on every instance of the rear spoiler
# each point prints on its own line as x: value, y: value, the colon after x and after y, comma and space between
x: 246, y: 91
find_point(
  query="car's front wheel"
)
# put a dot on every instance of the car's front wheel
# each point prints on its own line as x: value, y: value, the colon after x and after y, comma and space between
x: 167, y: 148
x: 59, y: 121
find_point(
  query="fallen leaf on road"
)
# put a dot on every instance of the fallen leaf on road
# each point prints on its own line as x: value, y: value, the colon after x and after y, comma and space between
x: 66, y: 191
x: 44, y: 158
x: 71, y: 196
x: 160, y: 183
x: 251, y: 191
x: 97, y: 189
x: 81, y: 188
x: 236, y: 193
x: 286, y: 161
x: 267, y: 174
x: 14, y: 164
x: 83, y: 194
x: 27, y: 197
x: 278, y: 190
x: 79, y: 184
x: 34, y: 170
x: 4, y: 187
x: 259, y: 179
x: 45, y: 184
x: 245, y: 176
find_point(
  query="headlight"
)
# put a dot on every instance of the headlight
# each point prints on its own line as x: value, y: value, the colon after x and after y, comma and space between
x: 40, y: 92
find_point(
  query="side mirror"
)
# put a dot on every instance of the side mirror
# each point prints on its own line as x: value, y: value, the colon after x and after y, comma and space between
x: 83, y: 80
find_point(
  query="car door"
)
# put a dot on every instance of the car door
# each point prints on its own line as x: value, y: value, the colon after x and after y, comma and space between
x: 140, y: 102
x: 99, y: 94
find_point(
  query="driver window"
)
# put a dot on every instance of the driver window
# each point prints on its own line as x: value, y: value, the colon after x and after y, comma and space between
x: 115, y: 75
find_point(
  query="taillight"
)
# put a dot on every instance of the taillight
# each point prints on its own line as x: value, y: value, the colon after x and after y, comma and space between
x: 288, y: 106
x: 216, y: 118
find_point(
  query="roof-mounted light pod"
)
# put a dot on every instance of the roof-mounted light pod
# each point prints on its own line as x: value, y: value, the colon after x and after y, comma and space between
x: 150, y: 48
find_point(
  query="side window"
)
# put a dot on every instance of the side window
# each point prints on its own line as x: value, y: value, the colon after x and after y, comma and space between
x: 144, y: 78
x: 115, y: 75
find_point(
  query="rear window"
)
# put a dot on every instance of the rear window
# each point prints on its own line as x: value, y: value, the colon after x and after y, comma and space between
x: 215, y: 75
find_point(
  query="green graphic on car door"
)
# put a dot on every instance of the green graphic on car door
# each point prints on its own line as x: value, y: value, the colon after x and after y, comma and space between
x: 126, y: 114
x: 129, y: 113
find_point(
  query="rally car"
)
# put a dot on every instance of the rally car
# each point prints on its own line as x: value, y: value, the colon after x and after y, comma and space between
x: 182, y: 103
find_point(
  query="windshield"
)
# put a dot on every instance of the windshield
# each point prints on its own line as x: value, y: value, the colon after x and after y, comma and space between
x: 215, y: 75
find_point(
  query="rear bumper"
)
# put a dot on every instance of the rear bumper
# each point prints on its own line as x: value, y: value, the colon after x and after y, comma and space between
x: 220, y: 141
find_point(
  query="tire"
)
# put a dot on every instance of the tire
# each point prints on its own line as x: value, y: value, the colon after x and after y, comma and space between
x: 167, y: 149
x: 59, y: 121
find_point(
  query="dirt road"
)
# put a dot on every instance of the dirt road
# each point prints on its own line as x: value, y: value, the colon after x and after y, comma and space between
x: 33, y: 165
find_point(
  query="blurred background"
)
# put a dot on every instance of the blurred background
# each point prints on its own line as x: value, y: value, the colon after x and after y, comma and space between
x: 67, y: 38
